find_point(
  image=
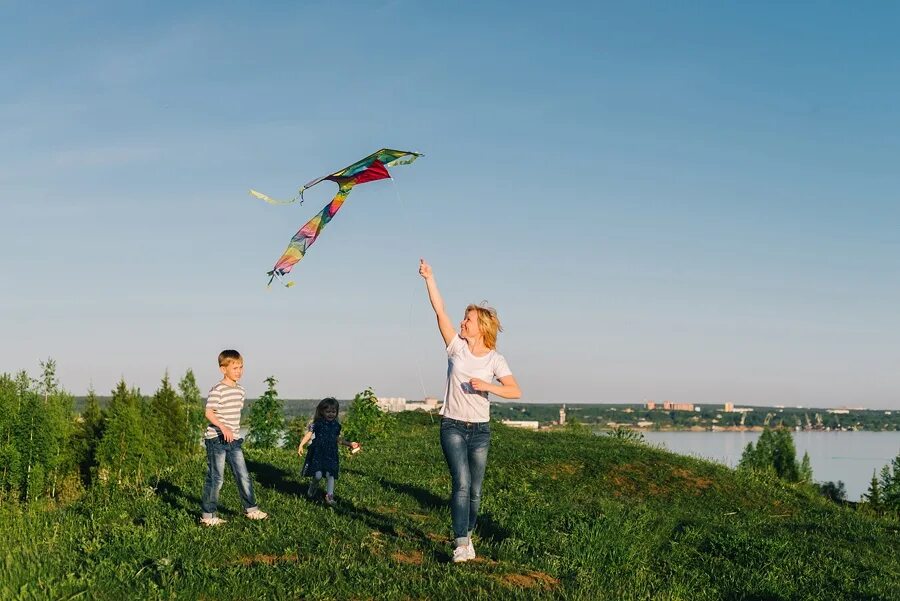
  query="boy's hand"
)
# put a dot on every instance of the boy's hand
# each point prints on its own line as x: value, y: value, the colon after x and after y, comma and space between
x: 227, y: 434
x: 300, y: 450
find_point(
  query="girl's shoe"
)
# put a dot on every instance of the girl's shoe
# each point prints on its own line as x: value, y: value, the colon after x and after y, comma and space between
x: 256, y: 514
x: 212, y: 521
x: 329, y: 499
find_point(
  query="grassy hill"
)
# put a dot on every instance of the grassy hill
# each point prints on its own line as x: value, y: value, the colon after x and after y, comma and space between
x: 565, y: 516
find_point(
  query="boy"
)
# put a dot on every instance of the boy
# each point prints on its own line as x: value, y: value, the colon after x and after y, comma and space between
x: 223, y: 410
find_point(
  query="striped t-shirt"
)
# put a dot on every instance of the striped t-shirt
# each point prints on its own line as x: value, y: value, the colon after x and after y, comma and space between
x: 226, y: 402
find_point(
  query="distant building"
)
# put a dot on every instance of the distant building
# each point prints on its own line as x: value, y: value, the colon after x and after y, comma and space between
x: 729, y: 407
x: 839, y: 411
x: 517, y: 423
x: 670, y: 406
x: 650, y: 405
x: 397, y: 404
x: 562, y: 415
x: 392, y: 404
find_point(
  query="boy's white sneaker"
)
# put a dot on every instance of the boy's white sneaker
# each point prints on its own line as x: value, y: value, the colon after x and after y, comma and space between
x: 212, y: 521
x: 471, y: 549
x: 461, y: 554
x: 256, y: 514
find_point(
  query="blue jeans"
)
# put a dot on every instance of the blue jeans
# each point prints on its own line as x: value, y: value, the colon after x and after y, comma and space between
x: 217, y: 452
x: 465, y: 447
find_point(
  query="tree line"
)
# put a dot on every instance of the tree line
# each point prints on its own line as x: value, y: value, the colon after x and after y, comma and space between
x: 49, y: 451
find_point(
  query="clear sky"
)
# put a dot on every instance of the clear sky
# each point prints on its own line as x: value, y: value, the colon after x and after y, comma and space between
x: 694, y: 202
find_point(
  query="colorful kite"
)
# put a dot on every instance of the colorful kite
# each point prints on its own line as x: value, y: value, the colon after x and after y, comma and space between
x: 369, y: 169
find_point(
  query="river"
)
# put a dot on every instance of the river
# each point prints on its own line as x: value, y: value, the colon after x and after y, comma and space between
x: 846, y: 456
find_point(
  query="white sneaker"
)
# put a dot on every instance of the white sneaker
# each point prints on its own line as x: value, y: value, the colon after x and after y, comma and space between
x: 212, y: 521
x: 471, y: 549
x: 461, y: 554
x: 256, y: 514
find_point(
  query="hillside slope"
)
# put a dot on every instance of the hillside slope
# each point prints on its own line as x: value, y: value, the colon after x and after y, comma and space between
x: 565, y: 515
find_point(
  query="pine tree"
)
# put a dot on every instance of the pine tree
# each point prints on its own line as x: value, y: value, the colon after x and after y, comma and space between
x: 267, y: 418
x: 806, y: 473
x: 874, y: 496
x: 194, y: 411
x: 10, y: 459
x: 58, y: 407
x: 784, y: 456
x: 88, y: 436
x: 890, y: 484
x: 131, y: 447
x: 169, y: 416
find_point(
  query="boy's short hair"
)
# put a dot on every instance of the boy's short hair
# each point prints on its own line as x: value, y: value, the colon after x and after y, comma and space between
x: 229, y: 356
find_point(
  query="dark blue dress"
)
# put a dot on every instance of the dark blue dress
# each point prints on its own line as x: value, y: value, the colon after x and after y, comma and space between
x: 322, y: 455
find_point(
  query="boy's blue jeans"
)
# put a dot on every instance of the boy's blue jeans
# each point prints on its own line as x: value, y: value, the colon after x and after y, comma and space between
x: 465, y: 447
x: 217, y: 452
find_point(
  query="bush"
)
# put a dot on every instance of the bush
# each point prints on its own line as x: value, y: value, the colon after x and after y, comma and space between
x: 365, y: 420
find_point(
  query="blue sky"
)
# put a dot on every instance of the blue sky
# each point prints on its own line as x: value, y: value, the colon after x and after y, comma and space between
x: 694, y: 202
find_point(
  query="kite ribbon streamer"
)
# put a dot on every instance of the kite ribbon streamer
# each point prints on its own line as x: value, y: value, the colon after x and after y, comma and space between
x: 370, y: 169
x: 306, y: 235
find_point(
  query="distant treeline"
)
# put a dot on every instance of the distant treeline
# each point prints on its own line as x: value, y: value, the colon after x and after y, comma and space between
x: 708, y: 416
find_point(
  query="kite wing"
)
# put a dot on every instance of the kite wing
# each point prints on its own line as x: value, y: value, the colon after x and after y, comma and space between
x: 370, y: 169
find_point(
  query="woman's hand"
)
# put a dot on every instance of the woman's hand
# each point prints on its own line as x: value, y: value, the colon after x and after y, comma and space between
x: 355, y: 448
x: 300, y: 450
x: 479, y: 385
x: 425, y: 269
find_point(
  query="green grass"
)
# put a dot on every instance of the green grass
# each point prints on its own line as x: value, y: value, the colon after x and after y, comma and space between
x: 564, y: 516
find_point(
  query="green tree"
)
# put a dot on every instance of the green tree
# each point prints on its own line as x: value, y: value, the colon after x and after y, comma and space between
x: 835, y: 491
x: 130, y: 449
x: 87, y: 437
x: 626, y: 434
x: 890, y: 484
x: 58, y: 407
x: 874, y: 496
x: 10, y: 458
x: 267, y: 417
x: 774, y: 452
x: 806, y: 473
x: 34, y: 441
x: 784, y: 456
x: 170, y: 417
x: 365, y: 420
x: 194, y: 411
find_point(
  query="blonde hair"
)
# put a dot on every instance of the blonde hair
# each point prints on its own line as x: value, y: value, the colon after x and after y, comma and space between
x: 229, y: 356
x: 488, y: 323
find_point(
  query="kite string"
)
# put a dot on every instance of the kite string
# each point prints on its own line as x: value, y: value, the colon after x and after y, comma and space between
x: 404, y: 210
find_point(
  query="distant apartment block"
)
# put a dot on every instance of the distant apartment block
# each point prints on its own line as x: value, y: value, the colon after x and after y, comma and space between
x: 397, y: 404
x: 670, y: 406
x: 839, y: 411
x: 730, y: 408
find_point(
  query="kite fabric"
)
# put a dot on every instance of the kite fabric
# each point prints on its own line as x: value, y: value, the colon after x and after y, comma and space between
x: 370, y: 169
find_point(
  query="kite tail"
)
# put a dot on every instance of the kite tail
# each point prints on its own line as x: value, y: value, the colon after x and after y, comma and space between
x: 274, y: 274
x: 273, y: 201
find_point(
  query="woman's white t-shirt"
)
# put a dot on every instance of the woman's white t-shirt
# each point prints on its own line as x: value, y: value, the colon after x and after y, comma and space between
x: 461, y: 401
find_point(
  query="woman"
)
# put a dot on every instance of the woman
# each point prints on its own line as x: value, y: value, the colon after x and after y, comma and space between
x: 473, y: 365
